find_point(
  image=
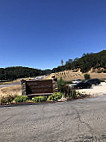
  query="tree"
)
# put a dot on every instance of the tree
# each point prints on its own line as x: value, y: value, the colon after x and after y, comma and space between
x: 61, y: 84
x: 86, y: 76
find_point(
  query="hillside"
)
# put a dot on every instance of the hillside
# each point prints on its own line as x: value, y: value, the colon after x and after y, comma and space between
x: 94, y: 61
x: 12, y: 73
x: 90, y: 62
x: 69, y: 75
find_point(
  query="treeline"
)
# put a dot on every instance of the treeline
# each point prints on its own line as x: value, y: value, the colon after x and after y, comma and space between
x: 85, y: 63
x: 12, y: 73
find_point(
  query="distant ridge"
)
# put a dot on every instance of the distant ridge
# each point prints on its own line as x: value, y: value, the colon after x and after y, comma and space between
x: 12, y: 73
x: 87, y: 62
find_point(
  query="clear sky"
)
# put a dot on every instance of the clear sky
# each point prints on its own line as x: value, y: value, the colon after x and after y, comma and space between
x: 39, y: 33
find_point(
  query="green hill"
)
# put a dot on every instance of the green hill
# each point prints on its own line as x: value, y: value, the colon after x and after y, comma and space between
x: 86, y: 62
x: 12, y: 73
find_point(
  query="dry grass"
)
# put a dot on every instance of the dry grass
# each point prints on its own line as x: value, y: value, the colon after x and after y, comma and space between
x: 69, y: 75
x: 13, y: 90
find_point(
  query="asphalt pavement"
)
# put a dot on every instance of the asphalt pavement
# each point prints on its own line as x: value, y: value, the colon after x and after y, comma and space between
x: 74, y: 121
x: 10, y: 84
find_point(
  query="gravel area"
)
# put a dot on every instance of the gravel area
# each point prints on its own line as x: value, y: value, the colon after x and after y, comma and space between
x: 97, y: 90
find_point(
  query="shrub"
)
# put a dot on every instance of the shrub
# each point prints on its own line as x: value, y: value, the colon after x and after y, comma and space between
x: 7, y: 99
x: 53, y: 76
x: 39, y: 99
x: 68, y: 82
x: 10, y: 98
x: 67, y: 91
x: 61, y: 84
x: 55, y: 96
x: 86, y: 76
x: 3, y: 100
x: 20, y: 99
x: 102, y: 80
x: 74, y: 94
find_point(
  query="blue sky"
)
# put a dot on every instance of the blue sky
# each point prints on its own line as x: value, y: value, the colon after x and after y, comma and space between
x: 39, y: 33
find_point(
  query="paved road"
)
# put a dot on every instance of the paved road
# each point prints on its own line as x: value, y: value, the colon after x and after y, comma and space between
x: 9, y: 85
x: 77, y: 121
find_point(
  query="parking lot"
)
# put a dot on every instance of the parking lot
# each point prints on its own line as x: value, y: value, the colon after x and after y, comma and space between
x: 95, y: 90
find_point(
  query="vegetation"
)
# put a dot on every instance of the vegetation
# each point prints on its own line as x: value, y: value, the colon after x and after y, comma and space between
x: 86, y: 76
x: 7, y: 100
x: 12, y: 73
x: 39, y: 99
x: 20, y: 99
x: 73, y: 94
x: 55, y: 96
x: 85, y: 63
x: 61, y: 84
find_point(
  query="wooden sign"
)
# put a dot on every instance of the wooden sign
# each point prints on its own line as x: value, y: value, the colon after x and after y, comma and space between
x: 39, y: 87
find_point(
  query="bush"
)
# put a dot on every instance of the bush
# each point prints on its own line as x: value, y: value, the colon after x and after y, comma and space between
x: 39, y: 99
x: 67, y: 91
x: 86, y: 76
x: 61, y: 84
x: 3, y: 100
x: 74, y: 94
x: 10, y: 98
x: 20, y: 99
x: 55, y: 96
x: 7, y: 99
x: 53, y: 76
x: 68, y: 82
x: 102, y: 80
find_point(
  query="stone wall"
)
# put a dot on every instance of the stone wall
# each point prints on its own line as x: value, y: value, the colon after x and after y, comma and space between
x: 23, y: 85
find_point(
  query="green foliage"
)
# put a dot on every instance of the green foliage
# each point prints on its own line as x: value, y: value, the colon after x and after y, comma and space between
x: 53, y: 76
x: 7, y: 99
x: 86, y: 76
x: 67, y: 91
x: 102, y: 80
x: 20, y: 99
x: 39, y: 99
x: 55, y: 96
x: 73, y: 94
x: 61, y: 84
x: 3, y: 100
x: 86, y: 62
x: 12, y: 73
x: 10, y: 98
x: 68, y: 82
